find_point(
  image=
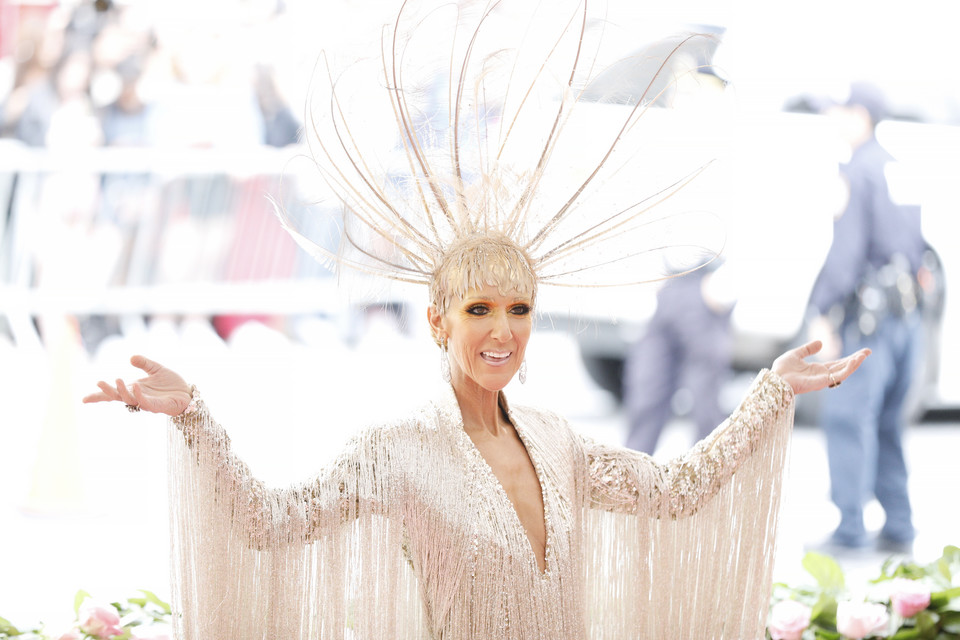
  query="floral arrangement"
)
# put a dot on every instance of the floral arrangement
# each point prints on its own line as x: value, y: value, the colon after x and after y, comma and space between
x: 906, y: 601
x: 141, y: 618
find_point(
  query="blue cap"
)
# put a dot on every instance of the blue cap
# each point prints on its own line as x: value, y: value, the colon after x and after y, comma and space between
x: 870, y: 97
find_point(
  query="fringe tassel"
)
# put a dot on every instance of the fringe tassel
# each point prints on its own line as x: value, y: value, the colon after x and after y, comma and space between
x: 705, y: 574
x: 409, y: 535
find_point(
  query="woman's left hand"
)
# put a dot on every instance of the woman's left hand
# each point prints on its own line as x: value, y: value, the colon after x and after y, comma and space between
x: 805, y: 376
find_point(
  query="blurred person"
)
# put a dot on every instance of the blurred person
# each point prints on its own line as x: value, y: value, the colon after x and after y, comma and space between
x: 686, y: 345
x: 471, y: 517
x: 27, y: 112
x: 280, y: 127
x: 868, y: 295
x: 53, y: 74
x: 28, y: 108
x: 86, y: 20
x: 128, y: 121
x: 73, y: 122
x: 123, y: 52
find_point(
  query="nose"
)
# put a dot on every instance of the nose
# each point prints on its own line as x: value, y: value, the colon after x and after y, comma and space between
x: 501, y: 328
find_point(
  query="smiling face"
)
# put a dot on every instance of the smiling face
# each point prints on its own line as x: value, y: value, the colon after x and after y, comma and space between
x: 482, y: 297
x: 487, y: 331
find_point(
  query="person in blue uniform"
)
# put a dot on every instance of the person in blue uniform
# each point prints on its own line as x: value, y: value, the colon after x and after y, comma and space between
x: 867, y: 295
x: 687, y: 344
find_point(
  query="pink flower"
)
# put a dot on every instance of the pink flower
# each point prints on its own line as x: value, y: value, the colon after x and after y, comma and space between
x: 73, y: 634
x: 908, y: 597
x: 858, y: 620
x: 99, y: 620
x: 788, y: 619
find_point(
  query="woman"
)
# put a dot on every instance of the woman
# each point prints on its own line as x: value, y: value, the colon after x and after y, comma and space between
x: 471, y: 518
x: 473, y: 514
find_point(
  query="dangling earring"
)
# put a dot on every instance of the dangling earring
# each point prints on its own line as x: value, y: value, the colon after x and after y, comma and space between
x: 444, y: 361
x: 523, y: 372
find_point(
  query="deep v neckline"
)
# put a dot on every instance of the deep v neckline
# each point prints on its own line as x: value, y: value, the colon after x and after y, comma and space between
x: 470, y: 445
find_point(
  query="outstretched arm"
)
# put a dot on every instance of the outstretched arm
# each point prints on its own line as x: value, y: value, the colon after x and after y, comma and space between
x: 211, y: 478
x: 620, y: 477
x: 264, y: 517
x: 633, y: 482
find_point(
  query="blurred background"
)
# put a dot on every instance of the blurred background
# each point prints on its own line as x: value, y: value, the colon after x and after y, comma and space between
x: 144, y: 145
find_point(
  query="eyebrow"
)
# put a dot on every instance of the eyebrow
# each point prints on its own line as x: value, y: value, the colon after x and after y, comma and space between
x: 487, y: 299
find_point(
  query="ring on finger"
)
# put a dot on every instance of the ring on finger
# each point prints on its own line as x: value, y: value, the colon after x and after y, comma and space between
x: 833, y: 381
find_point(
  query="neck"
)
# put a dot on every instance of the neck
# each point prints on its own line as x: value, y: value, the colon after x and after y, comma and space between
x: 479, y: 407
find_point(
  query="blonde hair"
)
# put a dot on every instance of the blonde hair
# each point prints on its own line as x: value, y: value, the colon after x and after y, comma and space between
x: 479, y: 260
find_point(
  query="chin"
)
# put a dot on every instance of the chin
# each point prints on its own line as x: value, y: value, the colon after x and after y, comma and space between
x: 493, y: 382
x: 500, y: 382
x: 497, y: 386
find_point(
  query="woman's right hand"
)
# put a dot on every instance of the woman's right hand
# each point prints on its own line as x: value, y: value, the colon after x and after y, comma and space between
x: 161, y: 391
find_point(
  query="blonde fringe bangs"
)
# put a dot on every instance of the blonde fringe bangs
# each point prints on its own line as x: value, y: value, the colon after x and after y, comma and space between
x: 488, y: 259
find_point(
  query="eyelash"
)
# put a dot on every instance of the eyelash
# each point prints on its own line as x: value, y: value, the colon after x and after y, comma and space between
x: 482, y: 310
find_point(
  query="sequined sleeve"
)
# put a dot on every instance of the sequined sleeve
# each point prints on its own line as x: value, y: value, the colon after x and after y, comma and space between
x: 266, y: 516
x: 629, y: 481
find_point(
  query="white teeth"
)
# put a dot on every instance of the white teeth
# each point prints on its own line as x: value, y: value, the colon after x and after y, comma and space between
x: 498, y: 356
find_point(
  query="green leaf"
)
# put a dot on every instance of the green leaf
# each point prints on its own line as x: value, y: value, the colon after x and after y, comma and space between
x: 152, y: 597
x: 927, y: 622
x: 894, y: 567
x: 900, y: 568
x: 909, y: 633
x: 7, y: 628
x: 951, y: 621
x: 947, y: 600
x: 158, y: 616
x: 943, y: 567
x: 824, y: 570
x: 824, y: 611
x: 78, y: 600
x: 885, y: 571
